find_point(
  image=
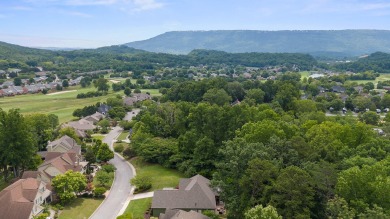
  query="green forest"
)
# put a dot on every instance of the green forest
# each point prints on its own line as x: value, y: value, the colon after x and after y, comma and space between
x: 271, y: 149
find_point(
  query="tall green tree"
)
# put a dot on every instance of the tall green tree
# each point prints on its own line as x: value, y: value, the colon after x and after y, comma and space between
x: 68, y: 184
x: 17, y: 143
x: 101, y: 84
x: 294, y: 193
x: 260, y: 212
x: 104, y: 154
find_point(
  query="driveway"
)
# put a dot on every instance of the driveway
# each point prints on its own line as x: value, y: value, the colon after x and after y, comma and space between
x: 131, y: 114
x: 121, y: 189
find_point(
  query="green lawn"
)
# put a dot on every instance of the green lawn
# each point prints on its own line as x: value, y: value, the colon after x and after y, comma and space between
x: 81, y: 208
x: 161, y: 177
x: 304, y: 74
x: 138, y: 207
x: 382, y: 77
x: 123, y: 135
x: 98, y: 136
x: 153, y: 92
x: 62, y: 105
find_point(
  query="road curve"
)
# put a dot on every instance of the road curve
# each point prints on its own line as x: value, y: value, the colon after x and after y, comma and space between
x: 120, y: 189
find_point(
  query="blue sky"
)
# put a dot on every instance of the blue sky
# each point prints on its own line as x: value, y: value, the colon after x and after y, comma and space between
x: 94, y: 23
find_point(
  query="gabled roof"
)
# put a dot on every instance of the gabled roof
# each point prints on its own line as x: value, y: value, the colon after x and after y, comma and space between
x: 94, y: 118
x: 62, y: 162
x: 17, y: 200
x: 193, y: 193
x: 66, y: 142
x: 180, y: 214
x: 82, y: 124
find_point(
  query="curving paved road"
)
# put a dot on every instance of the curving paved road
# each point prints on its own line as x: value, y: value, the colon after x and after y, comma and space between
x: 121, y: 189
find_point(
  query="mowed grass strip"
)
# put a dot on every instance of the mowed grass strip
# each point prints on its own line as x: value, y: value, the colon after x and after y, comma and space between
x: 81, y: 208
x: 123, y: 135
x: 160, y: 176
x: 138, y: 207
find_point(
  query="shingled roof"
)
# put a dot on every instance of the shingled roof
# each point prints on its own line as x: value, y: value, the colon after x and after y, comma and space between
x: 180, y: 214
x: 17, y: 200
x: 64, y: 144
x: 58, y: 163
x: 193, y: 193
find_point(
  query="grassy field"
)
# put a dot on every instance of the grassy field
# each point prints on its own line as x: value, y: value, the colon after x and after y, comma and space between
x: 304, y: 74
x: 81, y: 208
x: 161, y: 177
x: 138, y: 207
x: 62, y: 105
x: 123, y: 135
x: 382, y: 77
x: 98, y: 136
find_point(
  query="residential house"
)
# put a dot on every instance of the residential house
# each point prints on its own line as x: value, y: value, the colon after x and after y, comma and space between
x: 338, y: 89
x: 23, y: 199
x: 74, y: 82
x: 129, y: 101
x: 63, y: 145
x: 81, y: 127
x: 180, y: 214
x: 94, y: 118
x: 193, y: 194
x: 58, y: 163
x: 103, y: 109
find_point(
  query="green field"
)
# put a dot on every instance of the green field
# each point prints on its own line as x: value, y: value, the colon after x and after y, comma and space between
x: 382, y: 77
x: 123, y: 135
x: 62, y: 104
x: 161, y: 177
x: 304, y: 74
x: 81, y: 208
x: 138, y: 207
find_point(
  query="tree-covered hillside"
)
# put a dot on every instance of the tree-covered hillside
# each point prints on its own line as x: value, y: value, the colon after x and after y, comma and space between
x: 317, y: 42
x: 377, y: 62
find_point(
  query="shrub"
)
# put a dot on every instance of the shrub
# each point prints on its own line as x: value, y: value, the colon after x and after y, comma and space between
x: 108, y: 168
x: 119, y: 148
x: 99, y: 192
x: 129, y: 153
x: 142, y: 183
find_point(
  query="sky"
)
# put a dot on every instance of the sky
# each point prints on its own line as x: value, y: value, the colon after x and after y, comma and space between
x: 96, y: 23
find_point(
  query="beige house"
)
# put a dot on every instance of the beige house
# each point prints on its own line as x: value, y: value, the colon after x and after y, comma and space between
x: 58, y: 163
x: 194, y: 194
x: 23, y: 199
x: 63, y: 145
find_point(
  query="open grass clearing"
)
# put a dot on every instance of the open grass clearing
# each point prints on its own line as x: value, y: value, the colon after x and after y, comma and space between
x: 160, y: 176
x: 138, y: 207
x: 123, y: 135
x: 153, y: 92
x: 62, y: 104
x: 81, y: 208
x: 98, y: 136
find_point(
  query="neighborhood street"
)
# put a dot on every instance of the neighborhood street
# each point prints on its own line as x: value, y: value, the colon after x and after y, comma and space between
x: 121, y: 189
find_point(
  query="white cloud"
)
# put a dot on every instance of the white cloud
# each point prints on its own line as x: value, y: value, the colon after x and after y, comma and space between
x: 77, y: 14
x: 142, y: 5
x: 21, y: 8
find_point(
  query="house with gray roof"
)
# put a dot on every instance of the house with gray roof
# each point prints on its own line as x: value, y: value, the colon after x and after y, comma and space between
x: 193, y: 194
x: 94, y: 118
x: 63, y: 145
x: 180, y: 214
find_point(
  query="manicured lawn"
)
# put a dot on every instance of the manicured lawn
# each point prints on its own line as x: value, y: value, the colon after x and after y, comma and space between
x: 138, y: 207
x: 123, y: 135
x: 382, y: 77
x: 161, y: 177
x: 98, y: 136
x: 153, y: 92
x: 62, y: 105
x: 304, y: 74
x: 81, y: 208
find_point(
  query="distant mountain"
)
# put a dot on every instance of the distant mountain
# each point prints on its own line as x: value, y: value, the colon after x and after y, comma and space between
x: 21, y: 53
x: 315, y: 42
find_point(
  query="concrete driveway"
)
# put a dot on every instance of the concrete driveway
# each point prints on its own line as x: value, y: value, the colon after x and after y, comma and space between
x: 120, y: 191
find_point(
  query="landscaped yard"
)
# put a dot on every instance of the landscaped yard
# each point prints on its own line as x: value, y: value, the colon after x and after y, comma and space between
x: 138, y: 207
x: 98, y: 137
x: 81, y: 208
x: 161, y: 177
x: 123, y: 135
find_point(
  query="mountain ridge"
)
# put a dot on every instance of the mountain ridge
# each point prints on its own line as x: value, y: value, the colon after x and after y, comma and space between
x: 317, y: 42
